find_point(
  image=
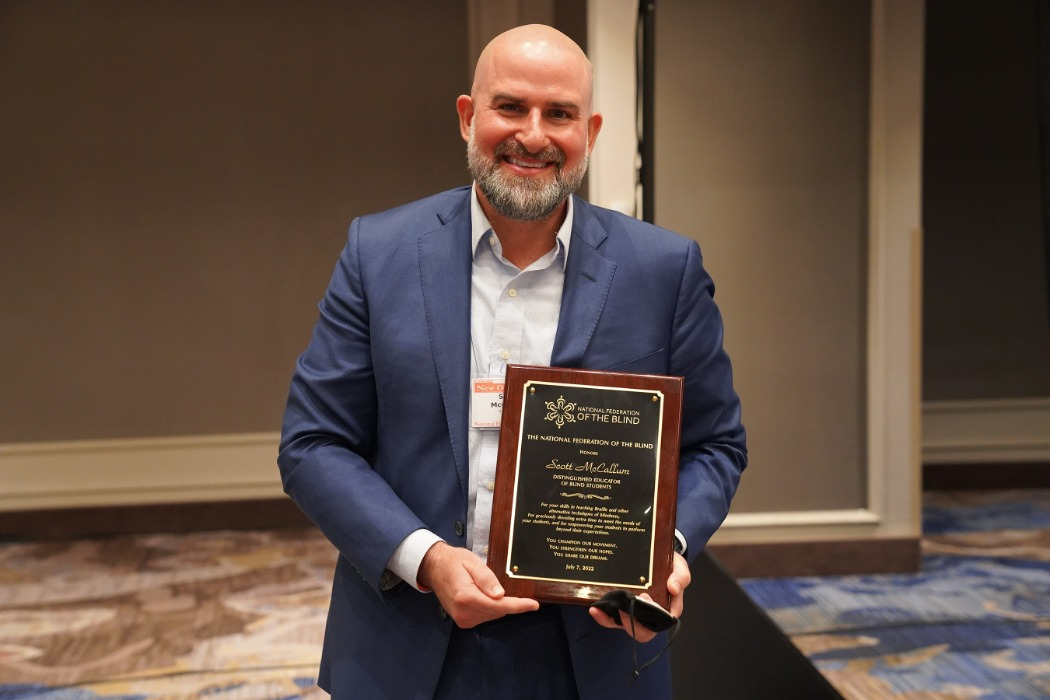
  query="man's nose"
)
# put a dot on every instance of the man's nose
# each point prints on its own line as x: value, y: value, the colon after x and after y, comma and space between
x: 532, y: 136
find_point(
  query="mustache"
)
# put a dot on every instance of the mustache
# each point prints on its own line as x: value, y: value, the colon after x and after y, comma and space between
x: 510, y: 147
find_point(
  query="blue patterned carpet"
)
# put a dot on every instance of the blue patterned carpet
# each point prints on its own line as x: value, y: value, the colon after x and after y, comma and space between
x: 975, y: 623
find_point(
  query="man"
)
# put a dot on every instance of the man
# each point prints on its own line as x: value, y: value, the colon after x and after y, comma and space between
x: 378, y: 447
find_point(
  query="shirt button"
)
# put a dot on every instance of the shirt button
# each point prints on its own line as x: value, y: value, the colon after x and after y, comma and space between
x: 485, y: 550
x: 490, y: 485
x: 504, y: 354
x: 513, y: 293
x: 459, y: 528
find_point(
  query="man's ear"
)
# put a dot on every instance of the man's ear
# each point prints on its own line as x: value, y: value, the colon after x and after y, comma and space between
x: 465, y: 108
x: 594, y: 125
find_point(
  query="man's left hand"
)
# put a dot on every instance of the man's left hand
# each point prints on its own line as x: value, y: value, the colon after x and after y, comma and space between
x: 677, y: 582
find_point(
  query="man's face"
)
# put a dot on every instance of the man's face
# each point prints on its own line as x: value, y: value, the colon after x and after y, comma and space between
x: 523, y: 197
x: 529, y: 129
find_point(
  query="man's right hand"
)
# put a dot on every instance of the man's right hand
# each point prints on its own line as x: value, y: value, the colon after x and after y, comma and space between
x: 468, y: 590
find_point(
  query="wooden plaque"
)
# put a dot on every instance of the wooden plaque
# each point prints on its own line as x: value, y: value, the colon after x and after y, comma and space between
x: 586, y: 484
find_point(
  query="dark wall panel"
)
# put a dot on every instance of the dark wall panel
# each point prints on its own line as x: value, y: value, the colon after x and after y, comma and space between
x: 986, y: 325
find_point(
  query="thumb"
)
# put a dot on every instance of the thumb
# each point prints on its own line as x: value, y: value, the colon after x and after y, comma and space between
x: 485, y: 579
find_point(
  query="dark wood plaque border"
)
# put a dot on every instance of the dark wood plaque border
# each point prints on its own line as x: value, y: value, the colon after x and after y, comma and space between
x: 573, y: 592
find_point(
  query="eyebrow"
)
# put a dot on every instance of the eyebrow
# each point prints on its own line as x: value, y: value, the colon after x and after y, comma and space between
x: 505, y: 97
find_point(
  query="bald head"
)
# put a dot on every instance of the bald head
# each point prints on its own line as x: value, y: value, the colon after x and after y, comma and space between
x: 529, y: 123
x: 544, y: 47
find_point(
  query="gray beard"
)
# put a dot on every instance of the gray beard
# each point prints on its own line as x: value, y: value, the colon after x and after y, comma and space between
x: 523, y: 199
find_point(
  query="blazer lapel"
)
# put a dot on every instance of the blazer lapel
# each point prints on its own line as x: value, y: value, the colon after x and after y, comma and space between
x: 588, y: 276
x: 444, y: 266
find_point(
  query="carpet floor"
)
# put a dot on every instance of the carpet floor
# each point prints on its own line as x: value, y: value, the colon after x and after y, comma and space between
x: 240, y: 615
x: 221, y: 615
x: 974, y: 623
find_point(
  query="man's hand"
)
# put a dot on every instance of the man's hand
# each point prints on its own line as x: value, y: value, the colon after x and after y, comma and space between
x: 677, y: 582
x: 468, y: 590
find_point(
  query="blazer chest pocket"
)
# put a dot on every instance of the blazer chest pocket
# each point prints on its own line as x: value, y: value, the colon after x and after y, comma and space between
x: 654, y: 362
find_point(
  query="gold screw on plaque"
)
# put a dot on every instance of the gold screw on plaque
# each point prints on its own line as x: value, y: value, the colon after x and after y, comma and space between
x: 532, y: 390
x: 514, y: 569
x: 642, y: 579
x: 655, y: 398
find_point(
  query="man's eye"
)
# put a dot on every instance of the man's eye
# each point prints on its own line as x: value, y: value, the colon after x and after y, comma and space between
x: 509, y: 108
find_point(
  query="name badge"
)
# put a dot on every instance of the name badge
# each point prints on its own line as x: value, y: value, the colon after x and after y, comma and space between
x: 486, y: 403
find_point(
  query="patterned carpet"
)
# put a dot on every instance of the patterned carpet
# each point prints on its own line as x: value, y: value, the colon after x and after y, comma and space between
x: 975, y: 623
x: 240, y: 615
x: 221, y: 615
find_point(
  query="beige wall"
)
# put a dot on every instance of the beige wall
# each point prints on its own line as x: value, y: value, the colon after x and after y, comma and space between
x: 176, y: 179
x: 762, y: 156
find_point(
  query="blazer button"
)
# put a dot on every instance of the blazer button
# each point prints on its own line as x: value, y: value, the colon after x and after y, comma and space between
x: 459, y: 528
x: 442, y: 613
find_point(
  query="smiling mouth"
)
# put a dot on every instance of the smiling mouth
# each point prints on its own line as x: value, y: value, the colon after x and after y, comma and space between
x: 526, y: 164
x: 513, y: 153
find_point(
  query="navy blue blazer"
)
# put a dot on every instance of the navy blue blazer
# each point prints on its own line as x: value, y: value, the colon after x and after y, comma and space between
x: 374, y: 442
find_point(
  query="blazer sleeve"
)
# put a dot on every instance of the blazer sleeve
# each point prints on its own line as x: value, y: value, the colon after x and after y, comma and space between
x: 328, y: 439
x: 714, y: 452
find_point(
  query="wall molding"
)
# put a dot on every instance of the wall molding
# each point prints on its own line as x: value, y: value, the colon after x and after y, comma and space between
x: 138, y: 471
x: 611, y: 36
x: 239, y: 467
x: 804, y: 525
x: 986, y: 431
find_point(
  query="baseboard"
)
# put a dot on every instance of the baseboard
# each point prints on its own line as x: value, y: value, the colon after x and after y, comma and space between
x: 819, y: 558
x: 1007, y: 431
x: 986, y: 476
x: 68, y: 523
x: 805, y: 526
x: 87, y: 473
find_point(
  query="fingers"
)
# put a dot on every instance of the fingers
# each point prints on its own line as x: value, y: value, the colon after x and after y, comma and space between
x: 602, y: 619
x: 468, y: 610
x: 468, y: 590
x: 641, y: 633
x: 677, y: 581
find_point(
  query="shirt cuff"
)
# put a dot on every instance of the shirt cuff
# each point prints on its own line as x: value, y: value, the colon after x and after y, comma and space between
x: 409, y: 555
x: 682, y: 544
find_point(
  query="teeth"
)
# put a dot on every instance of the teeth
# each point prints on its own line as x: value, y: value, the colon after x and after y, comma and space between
x: 523, y: 164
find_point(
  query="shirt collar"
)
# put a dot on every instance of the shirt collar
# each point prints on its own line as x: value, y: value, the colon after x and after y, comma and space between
x: 479, y: 226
